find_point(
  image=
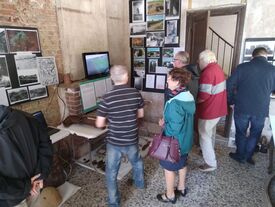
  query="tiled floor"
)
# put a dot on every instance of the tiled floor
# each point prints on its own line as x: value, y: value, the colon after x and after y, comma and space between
x: 232, y: 184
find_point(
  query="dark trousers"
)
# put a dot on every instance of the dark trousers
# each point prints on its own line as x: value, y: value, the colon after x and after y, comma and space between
x: 247, y: 141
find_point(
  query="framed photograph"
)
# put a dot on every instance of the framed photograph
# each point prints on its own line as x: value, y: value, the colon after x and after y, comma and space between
x: 167, y: 62
x: 172, y: 9
x: 150, y: 81
x: 18, y: 95
x: 138, y: 83
x: 172, y: 32
x: 153, y: 52
x: 138, y: 53
x: 155, y: 7
x: 167, y: 52
x: 152, y: 65
x: 47, y: 71
x: 37, y: 92
x: 27, y: 69
x: 4, y: 73
x: 138, y: 29
x: 252, y: 43
x: 3, y: 41
x: 155, y: 22
x: 139, y: 72
x: 155, y: 39
x: 139, y: 63
x: 137, y: 41
x: 138, y: 11
x: 23, y: 40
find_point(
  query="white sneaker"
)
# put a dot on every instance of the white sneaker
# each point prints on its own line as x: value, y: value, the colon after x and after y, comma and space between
x: 207, y: 168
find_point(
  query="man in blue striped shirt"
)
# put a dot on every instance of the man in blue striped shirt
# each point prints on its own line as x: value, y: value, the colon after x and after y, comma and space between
x: 122, y: 106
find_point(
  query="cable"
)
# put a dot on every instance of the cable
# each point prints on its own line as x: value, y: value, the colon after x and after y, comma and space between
x: 64, y: 103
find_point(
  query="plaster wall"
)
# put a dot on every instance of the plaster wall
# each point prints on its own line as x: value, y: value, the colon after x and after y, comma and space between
x: 83, y: 28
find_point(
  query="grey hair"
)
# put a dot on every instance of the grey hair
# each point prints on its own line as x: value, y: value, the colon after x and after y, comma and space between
x: 207, y: 56
x: 118, y: 73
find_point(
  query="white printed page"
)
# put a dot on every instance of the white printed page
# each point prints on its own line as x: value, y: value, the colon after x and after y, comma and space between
x: 87, y: 91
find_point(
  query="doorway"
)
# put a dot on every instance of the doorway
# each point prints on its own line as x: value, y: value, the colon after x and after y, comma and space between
x: 228, y: 55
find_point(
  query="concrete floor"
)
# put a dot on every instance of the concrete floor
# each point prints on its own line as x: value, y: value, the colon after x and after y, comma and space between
x: 232, y: 184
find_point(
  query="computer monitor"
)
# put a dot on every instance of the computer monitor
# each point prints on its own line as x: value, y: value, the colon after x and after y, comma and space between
x: 96, y: 64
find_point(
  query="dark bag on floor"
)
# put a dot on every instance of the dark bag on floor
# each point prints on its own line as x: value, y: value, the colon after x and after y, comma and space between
x: 164, y: 148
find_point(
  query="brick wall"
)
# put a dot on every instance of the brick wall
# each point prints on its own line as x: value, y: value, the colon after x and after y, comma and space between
x: 40, y: 14
x: 73, y: 101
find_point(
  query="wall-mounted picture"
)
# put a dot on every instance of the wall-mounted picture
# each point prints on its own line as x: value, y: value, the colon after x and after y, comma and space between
x: 139, y: 72
x: 152, y: 64
x: 155, y: 22
x: 138, y: 83
x: 167, y: 62
x: 37, y: 91
x: 251, y: 44
x: 27, y: 70
x: 155, y: 39
x: 167, y: 52
x: 155, y: 7
x: 139, y: 52
x: 3, y: 42
x: 23, y: 40
x: 4, y: 73
x: 138, y: 29
x: 172, y: 9
x: 18, y: 95
x: 160, y: 82
x: 47, y: 71
x: 171, y: 32
x: 137, y: 42
x: 138, y: 11
x: 150, y: 81
x: 153, y: 52
x: 139, y: 63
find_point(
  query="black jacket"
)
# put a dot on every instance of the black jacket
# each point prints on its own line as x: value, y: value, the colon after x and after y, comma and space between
x: 25, y: 150
x: 192, y: 86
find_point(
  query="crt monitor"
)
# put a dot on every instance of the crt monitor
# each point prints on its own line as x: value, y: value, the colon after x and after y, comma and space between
x: 96, y: 64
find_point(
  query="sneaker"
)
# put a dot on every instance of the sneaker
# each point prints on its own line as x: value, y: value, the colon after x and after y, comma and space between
x: 235, y: 157
x: 207, y: 168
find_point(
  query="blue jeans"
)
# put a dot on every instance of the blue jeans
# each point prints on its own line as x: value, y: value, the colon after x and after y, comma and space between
x: 246, y: 144
x: 114, y: 155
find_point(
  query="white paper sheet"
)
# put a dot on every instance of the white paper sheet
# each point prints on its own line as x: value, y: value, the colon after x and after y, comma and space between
x: 162, y: 70
x: 160, y: 82
x: 4, y: 98
x: 109, y: 84
x: 47, y: 71
x: 100, y: 88
x: 87, y: 91
x: 150, y: 81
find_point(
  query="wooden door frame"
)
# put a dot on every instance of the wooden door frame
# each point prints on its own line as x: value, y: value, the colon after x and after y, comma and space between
x: 238, y: 10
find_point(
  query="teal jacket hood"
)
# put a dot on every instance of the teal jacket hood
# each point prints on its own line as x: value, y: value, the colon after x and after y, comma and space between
x: 179, y: 117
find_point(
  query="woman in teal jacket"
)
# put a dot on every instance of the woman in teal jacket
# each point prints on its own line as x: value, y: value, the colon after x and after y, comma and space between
x: 177, y: 122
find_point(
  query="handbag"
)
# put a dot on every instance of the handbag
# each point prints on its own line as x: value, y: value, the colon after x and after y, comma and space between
x: 164, y: 148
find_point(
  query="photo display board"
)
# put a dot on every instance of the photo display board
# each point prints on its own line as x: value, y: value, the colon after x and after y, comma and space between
x: 252, y: 43
x: 154, y: 39
x: 22, y: 69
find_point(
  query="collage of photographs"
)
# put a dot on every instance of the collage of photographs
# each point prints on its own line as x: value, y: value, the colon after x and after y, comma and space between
x: 21, y: 66
x: 154, y: 36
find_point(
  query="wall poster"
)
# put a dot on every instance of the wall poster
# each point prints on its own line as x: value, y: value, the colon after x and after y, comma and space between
x: 154, y: 35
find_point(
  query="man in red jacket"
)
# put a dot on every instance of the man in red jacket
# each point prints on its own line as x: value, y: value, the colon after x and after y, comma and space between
x: 212, y: 105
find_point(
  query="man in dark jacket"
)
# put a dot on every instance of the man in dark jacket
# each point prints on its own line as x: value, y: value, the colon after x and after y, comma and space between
x: 25, y: 156
x: 181, y: 60
x: 249, y: 89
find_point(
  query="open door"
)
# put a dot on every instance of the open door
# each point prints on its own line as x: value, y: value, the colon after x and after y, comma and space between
x: 196, y: 29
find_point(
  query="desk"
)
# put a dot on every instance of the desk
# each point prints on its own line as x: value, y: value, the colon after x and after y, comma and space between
x: 88, y: 132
